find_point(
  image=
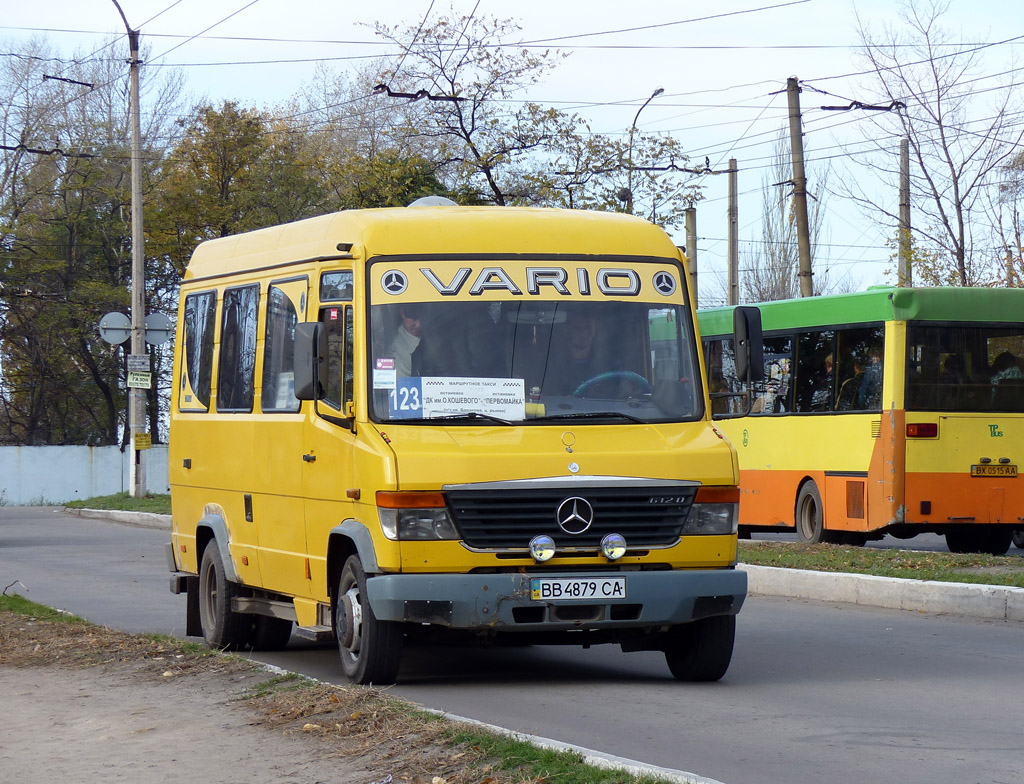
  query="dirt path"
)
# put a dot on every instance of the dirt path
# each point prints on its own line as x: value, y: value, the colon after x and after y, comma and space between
x: 93, y: 727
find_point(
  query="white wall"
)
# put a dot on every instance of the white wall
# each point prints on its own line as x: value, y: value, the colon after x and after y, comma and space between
x: 58, y: 474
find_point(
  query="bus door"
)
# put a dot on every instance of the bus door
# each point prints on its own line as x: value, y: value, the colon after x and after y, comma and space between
x: 328, y: 442
x: 277, y: 507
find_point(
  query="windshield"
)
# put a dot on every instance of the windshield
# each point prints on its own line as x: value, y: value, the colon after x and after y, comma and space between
x: 963, y: 367
x: 518, y: 360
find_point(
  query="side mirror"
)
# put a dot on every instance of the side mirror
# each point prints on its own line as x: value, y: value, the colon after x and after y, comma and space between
x: 749, y: 343
x: 310, y: 352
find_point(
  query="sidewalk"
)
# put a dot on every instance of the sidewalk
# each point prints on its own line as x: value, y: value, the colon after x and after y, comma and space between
x: 970, y: 599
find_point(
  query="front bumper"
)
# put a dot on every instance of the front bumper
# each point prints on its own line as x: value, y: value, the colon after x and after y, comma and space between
x: 502, y: 602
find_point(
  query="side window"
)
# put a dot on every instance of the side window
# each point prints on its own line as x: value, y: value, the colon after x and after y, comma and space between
x: 197, y: 351
x: 236, y: 367
x: 336, y: 286
x: 815, y: 379
x: 337, y: 383
x: 859, y: 356
x: 278, y: 382
x: 722, y: 379
x: 774, y: 395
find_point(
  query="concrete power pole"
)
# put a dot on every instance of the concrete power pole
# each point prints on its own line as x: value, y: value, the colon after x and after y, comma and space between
x: 796, y: 141
x: 690, y: 219
x: 138, y: 358
x: 905, y: 274
x: 734, y: 236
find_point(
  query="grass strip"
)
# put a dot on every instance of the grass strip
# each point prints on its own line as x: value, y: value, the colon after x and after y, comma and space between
x: 887, y: 562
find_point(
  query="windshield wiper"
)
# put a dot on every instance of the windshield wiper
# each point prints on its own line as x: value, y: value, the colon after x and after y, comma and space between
x: 590, y: 415
x: 469, y: 416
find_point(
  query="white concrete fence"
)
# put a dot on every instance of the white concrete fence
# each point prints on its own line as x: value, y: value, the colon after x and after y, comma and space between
x: 31, y: 475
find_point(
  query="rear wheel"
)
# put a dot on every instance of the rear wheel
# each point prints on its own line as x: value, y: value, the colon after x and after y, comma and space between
x: 992, y: 540
x: 371, y: 650
x: 270, y: 634
x: 1017, y: 537
x: 701, y: 650
x: 222, y: 626
x: 810, y: 516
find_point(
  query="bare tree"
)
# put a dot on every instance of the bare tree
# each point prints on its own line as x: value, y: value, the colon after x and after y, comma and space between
x: 773, y: 265
x: 928, y: 81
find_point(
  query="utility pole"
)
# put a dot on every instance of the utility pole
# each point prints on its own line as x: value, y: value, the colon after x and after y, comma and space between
x: 734, y: 236
x: 905, y: 274
x: 796, y: 141
x: 136, y: 396
x: 690, y: 220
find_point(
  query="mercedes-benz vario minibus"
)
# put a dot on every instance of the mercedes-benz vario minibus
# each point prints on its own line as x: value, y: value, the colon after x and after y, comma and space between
x: 444, y: 423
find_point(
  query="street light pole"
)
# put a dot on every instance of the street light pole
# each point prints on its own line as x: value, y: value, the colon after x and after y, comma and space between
x: 632, y: 130
x: 136, y: 397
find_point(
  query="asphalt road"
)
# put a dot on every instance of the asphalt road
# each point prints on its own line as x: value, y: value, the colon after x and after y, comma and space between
x: 816, y: 692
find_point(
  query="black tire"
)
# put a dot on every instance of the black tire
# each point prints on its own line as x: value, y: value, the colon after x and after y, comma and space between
x: 371, y: 650
x: 270, y: 634
x: 991, y: 540
x: 810, y: 515
x: 222, y: 626
x: 701, y: 650
x: 1017, y: 537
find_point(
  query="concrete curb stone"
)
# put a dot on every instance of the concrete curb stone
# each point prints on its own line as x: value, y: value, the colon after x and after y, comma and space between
x: 975, y: 600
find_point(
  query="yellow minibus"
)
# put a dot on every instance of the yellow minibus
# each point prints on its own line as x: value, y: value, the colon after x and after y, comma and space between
x: 477, y: 424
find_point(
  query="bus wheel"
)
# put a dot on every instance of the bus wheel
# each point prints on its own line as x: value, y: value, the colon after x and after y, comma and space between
x: 1017, y: 537
x: 993, y: 540
x: 270, y: 634
x: 701, y: 650
x: 371, y: 650
x: 222, y: 626
x: 810, y: 517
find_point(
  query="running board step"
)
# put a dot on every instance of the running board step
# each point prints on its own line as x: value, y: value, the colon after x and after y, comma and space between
x: 315, y: 633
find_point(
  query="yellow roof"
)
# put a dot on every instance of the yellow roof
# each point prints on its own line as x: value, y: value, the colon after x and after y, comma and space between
x: 434, y: 230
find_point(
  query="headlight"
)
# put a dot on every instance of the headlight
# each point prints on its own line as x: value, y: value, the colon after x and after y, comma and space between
x: 715, y: 512
x: 414, y: 516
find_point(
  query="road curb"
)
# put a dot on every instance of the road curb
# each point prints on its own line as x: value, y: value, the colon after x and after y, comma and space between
x: 893, y: 593
x: 142, y: 519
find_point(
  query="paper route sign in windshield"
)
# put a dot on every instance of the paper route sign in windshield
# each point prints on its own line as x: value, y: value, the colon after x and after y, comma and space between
x: 430, y: 396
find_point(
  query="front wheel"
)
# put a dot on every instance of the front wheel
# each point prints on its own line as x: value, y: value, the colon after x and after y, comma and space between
x: 222, y: 626
x: 1017, y: 537
x: 701, y: 650
x: 371, y: 650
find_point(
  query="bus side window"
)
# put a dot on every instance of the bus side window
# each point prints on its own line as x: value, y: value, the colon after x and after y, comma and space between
x: 774, y: 395
x: 236, y: 366
x: 860, y: 354
x: 197, y: 351
x: 278, y: 382
x: 337, y: 384
x: 815, y: 380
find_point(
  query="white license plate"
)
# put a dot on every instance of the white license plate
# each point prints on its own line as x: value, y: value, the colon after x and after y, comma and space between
x: 577, y: 588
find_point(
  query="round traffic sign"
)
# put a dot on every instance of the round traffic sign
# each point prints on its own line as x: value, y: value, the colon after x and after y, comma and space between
x: 115, y: 328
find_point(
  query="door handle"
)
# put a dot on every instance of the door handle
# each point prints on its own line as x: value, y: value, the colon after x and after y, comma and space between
x: 309, y: 458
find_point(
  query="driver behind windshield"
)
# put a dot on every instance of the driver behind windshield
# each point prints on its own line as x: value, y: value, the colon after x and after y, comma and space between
x: 574, y: 357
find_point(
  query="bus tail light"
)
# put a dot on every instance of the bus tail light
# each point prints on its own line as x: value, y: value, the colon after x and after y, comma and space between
x: 414, y: 516
x: 715, y: 511
x: 922, y: 430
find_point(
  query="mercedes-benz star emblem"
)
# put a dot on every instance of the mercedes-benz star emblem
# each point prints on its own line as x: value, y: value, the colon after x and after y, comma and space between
x: 394, y: 282
x: 664, y: 283
x: 575, y: 515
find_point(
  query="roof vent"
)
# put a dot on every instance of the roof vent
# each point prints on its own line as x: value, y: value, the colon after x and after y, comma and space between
x: 433, y: 201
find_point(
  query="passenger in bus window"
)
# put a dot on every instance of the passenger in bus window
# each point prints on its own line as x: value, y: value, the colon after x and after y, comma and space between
x: 869, y: 392
x: 1007, y: 382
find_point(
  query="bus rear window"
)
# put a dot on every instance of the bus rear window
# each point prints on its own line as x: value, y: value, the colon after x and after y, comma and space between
x: 957, y: 367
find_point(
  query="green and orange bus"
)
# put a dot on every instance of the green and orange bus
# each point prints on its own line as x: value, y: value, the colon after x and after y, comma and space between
x: 891, y: 411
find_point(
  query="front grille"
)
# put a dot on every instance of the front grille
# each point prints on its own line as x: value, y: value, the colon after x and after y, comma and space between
x: 508, y: 519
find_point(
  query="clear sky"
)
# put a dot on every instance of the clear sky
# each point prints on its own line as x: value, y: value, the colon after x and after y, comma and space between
x: 718, y: 62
